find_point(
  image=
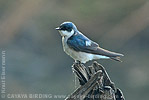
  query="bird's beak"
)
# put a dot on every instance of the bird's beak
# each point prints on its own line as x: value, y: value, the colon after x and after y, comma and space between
x: 58, y: 28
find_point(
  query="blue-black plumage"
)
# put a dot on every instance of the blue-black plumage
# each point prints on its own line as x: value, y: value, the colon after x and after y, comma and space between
x: 81, y: 48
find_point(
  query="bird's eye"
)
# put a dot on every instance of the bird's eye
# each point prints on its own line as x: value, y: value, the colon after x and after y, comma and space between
x: 66, y: 28
x: 63, y: 28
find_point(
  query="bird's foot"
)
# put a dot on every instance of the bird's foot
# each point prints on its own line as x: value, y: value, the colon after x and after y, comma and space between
x: 77, y: 62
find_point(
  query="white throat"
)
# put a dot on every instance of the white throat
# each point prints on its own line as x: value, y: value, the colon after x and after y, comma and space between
x: 66, y: 33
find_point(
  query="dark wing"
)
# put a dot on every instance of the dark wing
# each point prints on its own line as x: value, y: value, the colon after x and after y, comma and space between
x: 81, y: 43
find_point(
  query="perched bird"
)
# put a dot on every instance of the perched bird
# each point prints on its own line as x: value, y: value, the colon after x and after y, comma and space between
x: 81, y: 48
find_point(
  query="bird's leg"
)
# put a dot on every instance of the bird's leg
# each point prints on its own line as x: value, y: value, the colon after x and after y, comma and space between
x: 78, y: 62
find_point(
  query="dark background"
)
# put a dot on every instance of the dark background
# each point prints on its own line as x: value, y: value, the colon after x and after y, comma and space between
x: 36, y: 62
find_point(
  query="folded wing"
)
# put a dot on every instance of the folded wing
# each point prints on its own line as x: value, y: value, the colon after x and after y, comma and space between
x: 81, y: 43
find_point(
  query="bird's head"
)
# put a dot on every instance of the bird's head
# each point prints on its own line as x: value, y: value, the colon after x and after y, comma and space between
x: 67, y: 29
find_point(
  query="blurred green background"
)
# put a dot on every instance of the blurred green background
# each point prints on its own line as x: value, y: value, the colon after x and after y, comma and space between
x: 36, y: 62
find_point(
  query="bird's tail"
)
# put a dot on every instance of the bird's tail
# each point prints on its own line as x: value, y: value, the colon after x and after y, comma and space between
x: 108, y: 54
x: 116, y: 58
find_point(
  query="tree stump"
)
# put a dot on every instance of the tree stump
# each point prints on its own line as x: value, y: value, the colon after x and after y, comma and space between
x: 95, y: 84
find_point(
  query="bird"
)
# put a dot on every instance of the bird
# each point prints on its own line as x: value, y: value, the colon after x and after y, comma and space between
x: 81, y: 48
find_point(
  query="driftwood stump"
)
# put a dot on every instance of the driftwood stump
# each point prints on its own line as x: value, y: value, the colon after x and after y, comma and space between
x: 95, y: 84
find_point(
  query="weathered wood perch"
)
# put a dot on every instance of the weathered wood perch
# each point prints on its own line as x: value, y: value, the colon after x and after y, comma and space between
x: 95, y: 84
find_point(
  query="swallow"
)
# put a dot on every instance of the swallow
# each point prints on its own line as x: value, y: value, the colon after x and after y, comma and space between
x: 81, y: 48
